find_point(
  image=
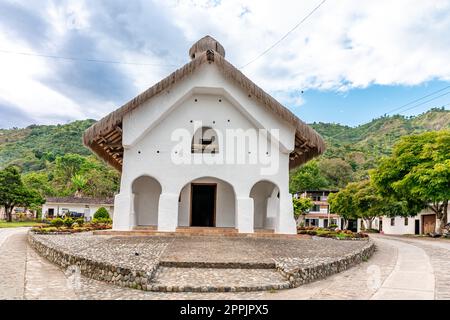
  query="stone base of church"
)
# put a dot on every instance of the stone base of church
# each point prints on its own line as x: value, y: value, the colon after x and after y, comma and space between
x: 150, y: 231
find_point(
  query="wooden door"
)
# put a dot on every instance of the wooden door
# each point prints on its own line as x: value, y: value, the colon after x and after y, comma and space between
x: 203, y: 205
x: 429, y: 223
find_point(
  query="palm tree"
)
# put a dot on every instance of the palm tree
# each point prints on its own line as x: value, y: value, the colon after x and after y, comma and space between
x: 80, y: 182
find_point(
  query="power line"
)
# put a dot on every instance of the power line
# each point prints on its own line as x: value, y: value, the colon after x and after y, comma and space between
x: 285, y: 36
x: 85, y: 59
x: 422, y: 103
x: 409, y: 103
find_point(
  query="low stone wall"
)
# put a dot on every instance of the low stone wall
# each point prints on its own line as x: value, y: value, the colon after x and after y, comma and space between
x: 301, y: 271
x: 125, y: 277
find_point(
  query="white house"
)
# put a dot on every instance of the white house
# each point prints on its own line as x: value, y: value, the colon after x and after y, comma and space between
x: 423, y: 223
x: 76, y: 206
x: 320, y: 214
x: 204, y: 147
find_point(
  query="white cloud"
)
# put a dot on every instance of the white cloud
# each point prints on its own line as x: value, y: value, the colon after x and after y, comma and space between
x: 345, y: 44
x: 19, y: 88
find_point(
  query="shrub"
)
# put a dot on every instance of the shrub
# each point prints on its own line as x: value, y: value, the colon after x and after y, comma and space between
x: 101, y: 213
x: 80, y: 221
x: 102, y: 221
x: 57, y: 222
x: 68, y: 222
x: 44, y: 230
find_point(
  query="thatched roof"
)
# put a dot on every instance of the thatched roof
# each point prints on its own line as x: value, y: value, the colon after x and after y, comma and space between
x: 105, y: 137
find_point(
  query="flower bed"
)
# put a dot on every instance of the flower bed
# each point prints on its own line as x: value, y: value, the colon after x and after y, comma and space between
x: 69, y: 225
x: 331, y: 233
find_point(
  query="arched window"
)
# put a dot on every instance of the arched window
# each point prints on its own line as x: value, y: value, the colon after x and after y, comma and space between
x: 205, y: 140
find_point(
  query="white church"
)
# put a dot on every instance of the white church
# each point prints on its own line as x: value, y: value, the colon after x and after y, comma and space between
x: 204, y: 147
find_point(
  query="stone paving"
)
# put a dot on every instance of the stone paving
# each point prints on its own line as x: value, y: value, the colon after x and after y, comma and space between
x: 26, y: 275
x: 254, y: 250
x: 13, y: 266
x: 357, y: 283
x: 412, y: 277
x: 218, y: 279
x: 135, y: 252
x: 201, y: 264
x: 438, y: 251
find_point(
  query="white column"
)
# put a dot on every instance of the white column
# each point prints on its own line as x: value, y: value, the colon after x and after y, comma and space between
x: 273, y: 209
x: 244, y: 215
x: 123, y: 218
x: 286, y: 222
x: 168, y: 212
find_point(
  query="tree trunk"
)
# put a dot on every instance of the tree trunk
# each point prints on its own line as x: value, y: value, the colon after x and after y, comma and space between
x: 441, y: 214
x: 345, y: 224
x: 444, y: 215
x: 8, y: 211
x: 369, y: 223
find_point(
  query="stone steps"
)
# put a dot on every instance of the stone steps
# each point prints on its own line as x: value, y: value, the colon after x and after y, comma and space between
x: 175, y: 279
x: 194, y: 233
x: 143, y: 228
x: 164, y: 262
x: 206, y: 230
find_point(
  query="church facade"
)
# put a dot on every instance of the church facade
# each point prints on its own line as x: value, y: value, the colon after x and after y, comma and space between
x: 204, y: 147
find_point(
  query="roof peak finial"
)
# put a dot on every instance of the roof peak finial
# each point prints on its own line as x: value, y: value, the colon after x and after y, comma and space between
x: 204, y: 44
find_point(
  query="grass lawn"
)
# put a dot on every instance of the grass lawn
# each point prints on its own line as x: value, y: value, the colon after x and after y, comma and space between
x: 15, y: 224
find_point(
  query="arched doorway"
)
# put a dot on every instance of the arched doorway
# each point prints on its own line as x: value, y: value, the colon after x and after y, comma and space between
x: 146, y: 191
x: 207, y: 202
x: 266, y: 204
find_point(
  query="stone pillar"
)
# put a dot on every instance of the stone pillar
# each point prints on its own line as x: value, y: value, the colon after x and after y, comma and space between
x: 168, y: 212
x: 244, y: 215
x: 286, y: 221
x: 123, y: 218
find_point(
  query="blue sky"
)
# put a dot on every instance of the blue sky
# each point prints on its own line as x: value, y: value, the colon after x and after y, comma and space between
x: 358, y: 106
x: 354, y: 60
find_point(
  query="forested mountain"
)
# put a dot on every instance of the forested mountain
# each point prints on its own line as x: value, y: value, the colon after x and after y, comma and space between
x: 361, y: 146
x: 31, y: 147
x: 55, y: 155
x: 54, y: 161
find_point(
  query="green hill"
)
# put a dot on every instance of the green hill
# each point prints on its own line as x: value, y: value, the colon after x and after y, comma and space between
x: 361, y: 146
x: 32, y: 146
x: 36, y: 147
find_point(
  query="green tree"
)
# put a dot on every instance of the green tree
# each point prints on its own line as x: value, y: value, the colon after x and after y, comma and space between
x: 64, y: 169
x: 102, y: 182
x: 79, y: 182
x: 307, y: 177
x: 368, y: 202
x: 14, y: 193
x: 301, y: 206
x: 39, y: 181
x: 336, y: 171
x: 418, y: 173
x: 343, y: 203
x: 75, y: 174
x: 101, y: 213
